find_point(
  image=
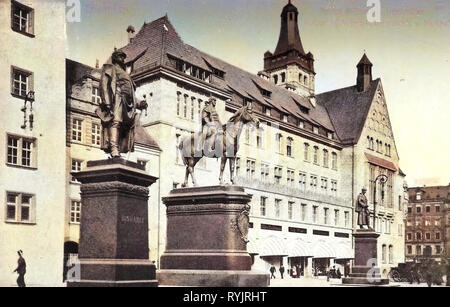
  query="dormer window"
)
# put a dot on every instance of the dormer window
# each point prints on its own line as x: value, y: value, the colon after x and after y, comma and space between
x: 316, y: 129
x: 301, y: 124
x: 418, y: 196
x: 285, y: 118
x: 265, y: 93
x: 218, y: 73
x: 330, y: 135
x: 267, y: 111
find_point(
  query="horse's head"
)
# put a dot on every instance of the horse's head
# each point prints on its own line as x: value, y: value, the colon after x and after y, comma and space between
x: 245, y: 115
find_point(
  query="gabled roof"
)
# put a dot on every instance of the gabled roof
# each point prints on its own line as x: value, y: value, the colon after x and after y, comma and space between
x: 364, y: 61
x: 348, y: 110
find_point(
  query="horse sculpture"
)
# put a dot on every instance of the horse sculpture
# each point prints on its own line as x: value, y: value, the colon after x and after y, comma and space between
x: 226, y: 145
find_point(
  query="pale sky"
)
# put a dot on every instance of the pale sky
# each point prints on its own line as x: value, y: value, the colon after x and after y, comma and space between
x: 409, y: 48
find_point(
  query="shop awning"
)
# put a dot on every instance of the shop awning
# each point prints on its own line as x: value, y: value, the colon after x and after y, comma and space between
x: 322, y: 249
x: 344, y: 251
x: 273, y: 246
x: 299, y: 248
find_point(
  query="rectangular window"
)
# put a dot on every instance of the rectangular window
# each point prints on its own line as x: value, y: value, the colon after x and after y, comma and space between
x: 314, y: 215
x: 75, y: 212
x: 346, y: 218
x: 325, y: 216
x: 192, y: 107
x: 334, y: 161
x: 22, y: 18
x: 21, y: 81
x: 262, y: 205
x: 290, y: 178
x: 178, y: 103
x: 409, y: 249
x: 264, y: 172
x: 277, y: 207
x: 324, y: 185
x: 437, y: 208
x: 409, y: 236
x: 289, y: 147
x: 95, y: 134
x: 238, y: 166
x: 19, y: 207
x: 302, y: 180
x: 418, y: 250
x: 438, y: 249
x: 419, y: 209
x: 303, y: 217
x: 250, y: 169
x: 427, y: 209
x: 336, y: 217
x: 278, y: 174
x: 313, y: 183
x: 76, y: 167
x: 438, y: 235
x: 290, y: 210
x: 334, y: 187
x: 20, y: 151
x: 77, y: 129
x: 316, y: 155
x: 325, y: 158
x: 306, y: 152
x: 400, y: 203
x: 95, y: 97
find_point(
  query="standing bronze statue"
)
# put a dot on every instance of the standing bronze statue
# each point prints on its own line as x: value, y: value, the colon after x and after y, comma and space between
x: 362, y: 208
x: 117, y: 110
x: 211, y: 124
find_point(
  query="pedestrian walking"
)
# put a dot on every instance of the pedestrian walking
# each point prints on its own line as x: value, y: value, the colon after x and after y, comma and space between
x: 21, y: 270
x: 281, y: 271
x: 272, y: 272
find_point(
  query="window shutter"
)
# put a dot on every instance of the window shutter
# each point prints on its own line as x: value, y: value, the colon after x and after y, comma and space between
x: 31, y: 22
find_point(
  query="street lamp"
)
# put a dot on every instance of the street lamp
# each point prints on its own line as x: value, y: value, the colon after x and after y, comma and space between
x: 383, y: 179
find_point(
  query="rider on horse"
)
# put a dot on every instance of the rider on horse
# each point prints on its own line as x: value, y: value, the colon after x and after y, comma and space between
x: 211, y: 125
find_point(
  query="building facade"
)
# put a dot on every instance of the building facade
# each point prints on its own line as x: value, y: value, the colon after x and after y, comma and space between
x: 307, y: 164
x: 428, y: 223
x: 32, y: 156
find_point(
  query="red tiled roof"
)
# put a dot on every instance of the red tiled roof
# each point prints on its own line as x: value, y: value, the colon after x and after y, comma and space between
x: 381, y: 162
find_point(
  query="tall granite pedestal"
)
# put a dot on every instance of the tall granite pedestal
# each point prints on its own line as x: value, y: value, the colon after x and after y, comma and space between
x: 364, y: 270
x: 207, y: 231
x: 113, y: 249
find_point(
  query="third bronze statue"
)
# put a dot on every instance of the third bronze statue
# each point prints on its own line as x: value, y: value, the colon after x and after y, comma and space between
x: 117, y: 110
x: 362, y: 208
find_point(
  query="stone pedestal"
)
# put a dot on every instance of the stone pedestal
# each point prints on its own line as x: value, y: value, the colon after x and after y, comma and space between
x: 364, y: 270
x: 206, y: 245
x: 113, y: 247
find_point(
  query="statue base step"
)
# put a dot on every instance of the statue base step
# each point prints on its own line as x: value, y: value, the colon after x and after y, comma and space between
x: 212, y: 278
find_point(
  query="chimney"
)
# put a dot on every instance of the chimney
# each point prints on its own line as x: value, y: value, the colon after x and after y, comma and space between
x: 130, y: 31
x: 364, y: 74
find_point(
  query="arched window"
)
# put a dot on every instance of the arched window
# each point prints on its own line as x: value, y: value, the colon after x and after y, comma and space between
x: 316, y: 155
x: 325, y: 158
x: 178, y: 103
x: 185, y: 106
x: 300, y: 78
x: 306, y: 152
x: 289, y: 147
x: 278, y: 138
x: 334, y: 161
x: 275, y: 79
x: 283, y: 77
x: 383, y: 253
x: 305, y: 80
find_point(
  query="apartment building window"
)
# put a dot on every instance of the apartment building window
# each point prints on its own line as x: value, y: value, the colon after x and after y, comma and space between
x: 418, y: 196
x: 178, y: 103
x: 290, y: 210
x: 290, y: 177
x: 418, y: 209
x: 325, y: 216
x: 95, y: 97
x: 185, y: 106
x: 238, y: 166
x: 21, y: 151
x: 418, y: 236
x: 313, y: 182
x: 76, y: 167
x: 325, y: 158
x: 262, y: 205
x: 283, y: 77
x: 20, y: 207
x: 306, y: 152
x: 316, y: 155
x: 250, y: 169
x: 391, y: 254
x: 409, y: 249
x: 336, y: 217
x: 437, y: 208
x: 418, y: 250
x: 264, y: 172
x: 277, y: 207
x: 289, y: 147
x: 409, y: 210
x: 259, y: 140
x: 77, y: 129
x: 346, y: 218
x: 278, y: 174
x: 21, y: 81
x: 409, y: 236
x: 324, y: 184
x: 389, y: 190
x: 314, y: 214
x: 278, y: 138
x: 22, y: 18
x: 438, y: 235
x: 302, y: 180
x: 75, y: 212
x: 437, y: 223
x: 427, y: 223
x: 303, y: 217
x: 383, y: 253
x: 399, y: 203
x: 334, y: 187
x: 95, y: 134
x: 192, y: 107
x: 438, y: 249
x: 428, y: 236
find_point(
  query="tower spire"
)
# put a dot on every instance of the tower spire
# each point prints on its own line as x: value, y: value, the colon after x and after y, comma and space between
x: 289, y: 34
